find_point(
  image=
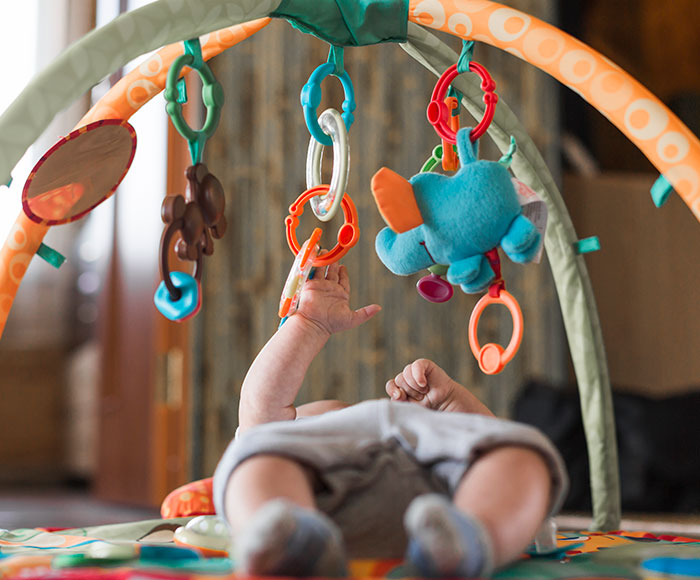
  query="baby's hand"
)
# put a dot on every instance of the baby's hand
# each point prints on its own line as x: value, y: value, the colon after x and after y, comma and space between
x: 422, y: 382
x: 425, y: 383
x: 326, y: 301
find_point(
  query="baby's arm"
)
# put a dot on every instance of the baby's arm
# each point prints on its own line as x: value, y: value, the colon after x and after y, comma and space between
x: 276, y: 375
x: 425, y: 383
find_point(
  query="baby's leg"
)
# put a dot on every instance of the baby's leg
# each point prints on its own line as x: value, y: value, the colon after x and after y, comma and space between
x: 498, y: 507
x: 270, y: 507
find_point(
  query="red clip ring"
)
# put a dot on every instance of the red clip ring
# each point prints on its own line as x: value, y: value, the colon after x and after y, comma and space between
x: 348, y: 234
x: 439, y: 113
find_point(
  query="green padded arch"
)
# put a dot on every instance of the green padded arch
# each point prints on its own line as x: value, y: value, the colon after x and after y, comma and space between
x: 570, y: 276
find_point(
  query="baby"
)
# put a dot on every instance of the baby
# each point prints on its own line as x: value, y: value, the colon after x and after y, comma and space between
x: 429, y: 474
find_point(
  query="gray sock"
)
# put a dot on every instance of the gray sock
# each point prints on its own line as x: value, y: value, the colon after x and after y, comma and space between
x: 444, y: 542
x: 284, y: 539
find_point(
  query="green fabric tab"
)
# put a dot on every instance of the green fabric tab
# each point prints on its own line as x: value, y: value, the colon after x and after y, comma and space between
x: 336, y: 55
x: 181, y: 91
x: 660, y: 191
x: 348, y: 22
x: 587, y: 245
x: 9, y: 183
x: 465, y: 56
x: 194, y: 48
x: 51, y: 256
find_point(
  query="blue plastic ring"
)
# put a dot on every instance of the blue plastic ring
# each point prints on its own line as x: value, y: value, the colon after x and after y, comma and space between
x: 183, y: 307
x: 311, y: 99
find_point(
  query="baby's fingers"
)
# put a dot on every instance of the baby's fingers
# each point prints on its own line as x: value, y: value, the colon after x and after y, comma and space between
x: 415, y: 378
x: 419, y: 373
x: 404, y: 381
x: 394, y: 391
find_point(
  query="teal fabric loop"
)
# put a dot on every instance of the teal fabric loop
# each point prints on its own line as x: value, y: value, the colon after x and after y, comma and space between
x: 336, y: 56
x: 48, y: 254
x: 194, y: 48
x: 587, y: 245
x: 660, y: 191
x: 348, y: 22
x: 465, y: 56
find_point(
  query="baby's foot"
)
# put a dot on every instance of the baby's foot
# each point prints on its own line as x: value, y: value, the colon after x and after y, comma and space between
x: 284, y: 539
x: 443, y: 542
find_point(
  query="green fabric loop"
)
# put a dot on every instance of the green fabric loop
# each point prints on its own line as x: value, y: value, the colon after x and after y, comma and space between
x: 348, y: 22
x: 194, y: 48
x: 181, y: 91
x: 56, y: 259
x: 587, y: 245
x: 660, y: 191
x: 465, y: 56
x: 507, y: 159
x: 336, y: 56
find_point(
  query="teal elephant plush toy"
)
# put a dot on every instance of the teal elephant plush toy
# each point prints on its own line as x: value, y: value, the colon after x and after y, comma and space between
x: 453, y: 220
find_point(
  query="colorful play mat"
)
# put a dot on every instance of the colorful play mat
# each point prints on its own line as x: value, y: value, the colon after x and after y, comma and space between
x: 150, y: 550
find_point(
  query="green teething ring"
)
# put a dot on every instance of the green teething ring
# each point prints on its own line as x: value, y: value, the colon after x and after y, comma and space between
x: 212, y: 97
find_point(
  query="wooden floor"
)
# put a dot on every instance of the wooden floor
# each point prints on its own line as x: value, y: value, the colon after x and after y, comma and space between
x: 62, y: 508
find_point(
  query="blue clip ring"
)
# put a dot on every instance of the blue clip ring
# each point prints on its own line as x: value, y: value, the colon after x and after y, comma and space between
x: 311, y: 99
x: 185, y: 306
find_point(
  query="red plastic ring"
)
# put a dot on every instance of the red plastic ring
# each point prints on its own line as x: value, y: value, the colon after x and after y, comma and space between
x: 439, y: 113
x: 492, y: 357
x: 348, y: 234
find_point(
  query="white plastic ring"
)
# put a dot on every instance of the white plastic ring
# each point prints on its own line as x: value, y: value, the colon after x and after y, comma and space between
x: 326, y: 206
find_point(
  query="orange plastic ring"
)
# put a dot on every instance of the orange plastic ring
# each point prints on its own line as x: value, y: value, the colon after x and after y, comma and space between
x: 491, y: 357
x: 348, y: 234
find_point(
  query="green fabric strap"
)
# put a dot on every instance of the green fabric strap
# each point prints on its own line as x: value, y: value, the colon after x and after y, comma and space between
x: 348, y: 22
x: 50, y: 255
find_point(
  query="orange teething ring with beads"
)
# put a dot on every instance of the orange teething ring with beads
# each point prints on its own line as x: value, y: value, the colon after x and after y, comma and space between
x: 348, y: 234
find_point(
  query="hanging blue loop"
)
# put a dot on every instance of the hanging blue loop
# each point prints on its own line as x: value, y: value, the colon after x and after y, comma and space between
x: 188, y: 302
x: 311, y: 99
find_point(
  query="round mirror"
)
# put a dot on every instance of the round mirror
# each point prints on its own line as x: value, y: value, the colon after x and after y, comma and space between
x: 79, y: 172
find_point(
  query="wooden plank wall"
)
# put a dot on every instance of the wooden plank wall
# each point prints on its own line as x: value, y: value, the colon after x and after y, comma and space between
x: 259, y: 154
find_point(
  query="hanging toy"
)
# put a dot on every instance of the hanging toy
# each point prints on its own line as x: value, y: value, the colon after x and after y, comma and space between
x: 454, y: 225
x: 492, y: 357
x: 199, y: 215
x: 436, y: 219
x: 331, y: 128
x: 299, y: 274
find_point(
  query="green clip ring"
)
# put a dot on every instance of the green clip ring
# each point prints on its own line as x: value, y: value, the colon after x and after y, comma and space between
x: 433, y: 160
x: 587, y: 245
x: 212, y: 96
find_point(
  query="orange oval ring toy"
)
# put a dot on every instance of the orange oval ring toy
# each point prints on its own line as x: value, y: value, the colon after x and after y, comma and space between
x: 348, y: 234
x: 491, y: 357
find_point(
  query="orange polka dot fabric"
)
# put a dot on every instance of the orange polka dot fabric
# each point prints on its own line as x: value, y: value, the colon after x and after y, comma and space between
x: 192, y: 499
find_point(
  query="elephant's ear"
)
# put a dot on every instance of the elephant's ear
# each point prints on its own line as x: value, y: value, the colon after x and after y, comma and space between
x: 396, y: 201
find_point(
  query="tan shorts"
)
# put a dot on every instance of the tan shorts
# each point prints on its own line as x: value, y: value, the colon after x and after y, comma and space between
x: 369, y: 461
